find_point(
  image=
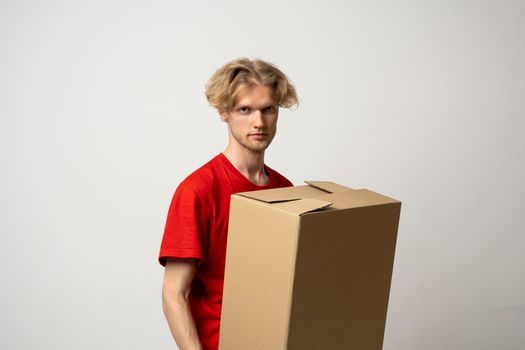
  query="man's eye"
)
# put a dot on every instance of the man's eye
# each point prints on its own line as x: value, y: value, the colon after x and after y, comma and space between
x: 244, y: 110
x: 269, y: 109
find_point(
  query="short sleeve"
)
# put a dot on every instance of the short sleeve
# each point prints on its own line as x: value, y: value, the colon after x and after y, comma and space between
x: 187, y: 226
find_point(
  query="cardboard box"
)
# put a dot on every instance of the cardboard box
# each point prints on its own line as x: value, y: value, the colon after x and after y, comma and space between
x: 308, y: 267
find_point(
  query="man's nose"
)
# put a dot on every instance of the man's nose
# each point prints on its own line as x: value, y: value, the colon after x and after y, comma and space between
x: 258, y: 119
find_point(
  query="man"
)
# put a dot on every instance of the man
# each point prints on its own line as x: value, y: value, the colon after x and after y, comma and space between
x: 247, y: 95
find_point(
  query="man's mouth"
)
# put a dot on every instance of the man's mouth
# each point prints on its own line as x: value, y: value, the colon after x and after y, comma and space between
x: 258, y: 136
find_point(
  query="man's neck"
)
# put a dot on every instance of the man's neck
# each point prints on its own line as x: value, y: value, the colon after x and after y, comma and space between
x: 250, y: 164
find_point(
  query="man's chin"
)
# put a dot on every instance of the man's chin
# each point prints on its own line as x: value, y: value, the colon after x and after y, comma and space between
x: 258, y: 147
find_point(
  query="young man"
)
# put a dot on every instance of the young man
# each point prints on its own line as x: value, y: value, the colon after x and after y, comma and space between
x: 247, y: 94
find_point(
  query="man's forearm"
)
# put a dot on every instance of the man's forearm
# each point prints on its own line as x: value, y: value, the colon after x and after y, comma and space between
x: 178, y: 314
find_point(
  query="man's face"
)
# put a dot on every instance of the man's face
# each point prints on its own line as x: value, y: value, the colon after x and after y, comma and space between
x: 253, y: 121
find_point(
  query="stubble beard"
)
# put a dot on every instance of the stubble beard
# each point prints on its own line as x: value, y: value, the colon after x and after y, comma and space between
x: 251, y: 145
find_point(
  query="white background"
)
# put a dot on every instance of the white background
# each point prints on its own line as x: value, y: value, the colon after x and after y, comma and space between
x: 102, y: 114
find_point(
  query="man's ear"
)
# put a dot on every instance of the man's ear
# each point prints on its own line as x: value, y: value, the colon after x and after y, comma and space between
x: 224, y: 115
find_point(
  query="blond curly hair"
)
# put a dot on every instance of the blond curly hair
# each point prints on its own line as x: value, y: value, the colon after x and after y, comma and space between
x: 224, y: 86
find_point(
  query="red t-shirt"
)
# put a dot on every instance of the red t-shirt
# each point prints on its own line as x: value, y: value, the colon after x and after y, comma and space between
x: 197, y: 227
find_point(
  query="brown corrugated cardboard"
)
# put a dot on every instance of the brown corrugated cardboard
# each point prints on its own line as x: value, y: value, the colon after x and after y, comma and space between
x: 308, y: 267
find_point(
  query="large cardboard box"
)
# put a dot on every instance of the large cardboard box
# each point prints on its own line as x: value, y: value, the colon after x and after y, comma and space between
x: 308, y: 267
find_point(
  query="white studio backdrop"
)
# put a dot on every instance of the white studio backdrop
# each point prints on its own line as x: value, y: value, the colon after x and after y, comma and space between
x: 102, y: 114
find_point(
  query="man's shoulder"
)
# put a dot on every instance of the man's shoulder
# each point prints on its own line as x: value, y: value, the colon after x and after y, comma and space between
x: 203, y: 179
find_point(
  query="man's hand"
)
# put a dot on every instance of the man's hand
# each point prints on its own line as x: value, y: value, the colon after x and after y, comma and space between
x: 178, y: 276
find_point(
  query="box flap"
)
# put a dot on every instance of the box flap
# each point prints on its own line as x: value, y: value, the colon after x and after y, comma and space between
x: 327, y: 186
x: 315, y: 189
x: 283, y: 194
x: 356, y: 198
x: 317, y: 195
x: 296, y: 200
x: 302, y: 206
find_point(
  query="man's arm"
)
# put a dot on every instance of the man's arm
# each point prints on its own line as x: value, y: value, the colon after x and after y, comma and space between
x: 178, y: 276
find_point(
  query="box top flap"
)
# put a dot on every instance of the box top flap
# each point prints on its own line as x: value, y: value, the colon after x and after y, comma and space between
x: 356, y: 198
x: 317, y: 195
x: 302, y: 206
x: 327, y: 186
x: 283, y: 194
